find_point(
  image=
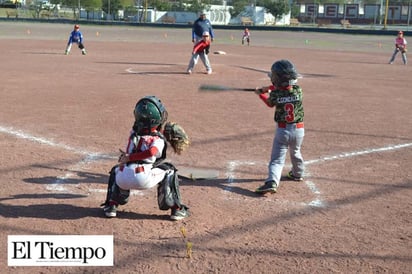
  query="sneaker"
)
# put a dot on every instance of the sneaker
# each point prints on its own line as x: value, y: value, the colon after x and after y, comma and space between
x: 179, y: 214
x: 209, y: 71
x: 390, y: 63
x: 66, y: 52
x: 268, y: 187
x: 84, y: 52
x: 294, y: 178
x: 110, y: 211
x: 189, y: 71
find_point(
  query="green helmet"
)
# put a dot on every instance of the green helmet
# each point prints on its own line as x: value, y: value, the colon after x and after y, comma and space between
x: 149, y: 113
x: 283, y: 73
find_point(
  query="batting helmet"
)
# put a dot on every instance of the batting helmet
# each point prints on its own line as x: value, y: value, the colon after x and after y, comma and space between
x: 283, y: 73
x: 149, y: 113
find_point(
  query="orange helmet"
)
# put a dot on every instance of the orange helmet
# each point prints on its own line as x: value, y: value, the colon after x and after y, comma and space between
x: 76, y: 27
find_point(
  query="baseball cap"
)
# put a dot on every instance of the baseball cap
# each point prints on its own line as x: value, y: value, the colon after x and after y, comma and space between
x: 206, y: 33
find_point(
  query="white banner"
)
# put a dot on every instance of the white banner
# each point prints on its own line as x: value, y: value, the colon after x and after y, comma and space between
x: 60, y: 250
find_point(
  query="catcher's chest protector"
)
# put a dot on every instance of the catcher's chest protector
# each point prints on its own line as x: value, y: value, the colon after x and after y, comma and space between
x: 168, y: 194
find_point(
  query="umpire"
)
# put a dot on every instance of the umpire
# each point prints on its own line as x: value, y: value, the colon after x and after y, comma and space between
x: 201, y: 25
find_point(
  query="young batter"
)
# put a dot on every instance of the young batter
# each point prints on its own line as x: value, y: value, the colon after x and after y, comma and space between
x: 76, y: 36
x: 287, y: 97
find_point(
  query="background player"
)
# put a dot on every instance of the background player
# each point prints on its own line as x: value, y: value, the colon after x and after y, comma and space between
x: 246, y: 36
x: 76, y: 36
x: 201, y: 49
x: 141, y: 166
x: 201, y: 25
x: 400, y: 46
x: 287, y: 97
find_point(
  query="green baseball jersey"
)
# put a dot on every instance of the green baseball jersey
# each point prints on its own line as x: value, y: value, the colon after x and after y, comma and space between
x: 289, y: 106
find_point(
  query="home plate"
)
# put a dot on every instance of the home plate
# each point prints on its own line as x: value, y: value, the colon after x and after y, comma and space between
x: 192, y: 173
x: 219, y: 52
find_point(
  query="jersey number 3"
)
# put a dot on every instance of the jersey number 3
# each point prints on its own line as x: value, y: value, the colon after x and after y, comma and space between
x: 290, y: 113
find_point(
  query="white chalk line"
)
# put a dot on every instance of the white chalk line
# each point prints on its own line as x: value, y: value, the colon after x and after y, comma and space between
x: 318, y: 201
x: 165, y: 74
x: 57, y: 185
x: 231, y: 167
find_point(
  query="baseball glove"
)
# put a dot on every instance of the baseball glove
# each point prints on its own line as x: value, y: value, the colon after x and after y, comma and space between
x: 402, y: 49
x: 176, y: 136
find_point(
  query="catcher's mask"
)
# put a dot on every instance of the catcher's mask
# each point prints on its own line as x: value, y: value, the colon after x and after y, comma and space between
x: 283, y: 74
x: 149, y: 113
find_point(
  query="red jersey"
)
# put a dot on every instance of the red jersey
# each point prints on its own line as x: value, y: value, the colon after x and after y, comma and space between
x: 200, y: 46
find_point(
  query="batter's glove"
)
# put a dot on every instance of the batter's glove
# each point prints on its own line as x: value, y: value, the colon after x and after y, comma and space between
x: 176, y: 136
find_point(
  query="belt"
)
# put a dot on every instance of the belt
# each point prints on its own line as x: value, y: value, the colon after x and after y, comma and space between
x: 283, y: 125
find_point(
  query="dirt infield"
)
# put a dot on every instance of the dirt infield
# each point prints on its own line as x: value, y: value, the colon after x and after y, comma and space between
x: 63, y: 119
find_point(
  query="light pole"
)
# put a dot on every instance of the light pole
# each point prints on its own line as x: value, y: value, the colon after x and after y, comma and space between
x: 386, y: 14
x: 409, y: 14
x: 110, y: 17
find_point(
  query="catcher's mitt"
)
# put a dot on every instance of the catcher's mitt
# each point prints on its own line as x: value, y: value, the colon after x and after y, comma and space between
x: 176, y: 136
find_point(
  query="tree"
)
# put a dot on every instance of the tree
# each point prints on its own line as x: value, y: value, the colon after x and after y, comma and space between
x: 161, y: 5
x: 277, y: 8
x: 238, y: 7
x: 111, y: 6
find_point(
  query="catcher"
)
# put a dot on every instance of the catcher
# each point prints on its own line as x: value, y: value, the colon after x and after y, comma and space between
x: 76, y: 36
x: 400, y: 46
x: 143, y: 166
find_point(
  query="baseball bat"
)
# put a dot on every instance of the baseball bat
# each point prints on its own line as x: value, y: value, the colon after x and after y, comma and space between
x: 223, y: 88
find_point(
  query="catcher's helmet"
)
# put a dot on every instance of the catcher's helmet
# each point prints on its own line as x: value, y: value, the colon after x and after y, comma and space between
x: 283, y: 73
x: 149, y: 113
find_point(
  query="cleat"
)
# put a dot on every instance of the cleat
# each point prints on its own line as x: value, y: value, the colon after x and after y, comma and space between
x: 110, y: 211
x: 179, y: 214
x: 268, y: 187
x: 294, y: 178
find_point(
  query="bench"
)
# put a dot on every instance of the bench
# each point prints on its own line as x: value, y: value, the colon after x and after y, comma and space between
x: 246, y: 21
x: 323, y: 22
x: 294, y: 22
x: 168, y: 20
x: 12, y: 13
x: 345, y: 23
x: 45, y: 14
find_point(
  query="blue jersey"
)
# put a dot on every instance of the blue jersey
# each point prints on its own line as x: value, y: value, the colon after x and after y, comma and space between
x: 75, y: 37
x: 200, y: 26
